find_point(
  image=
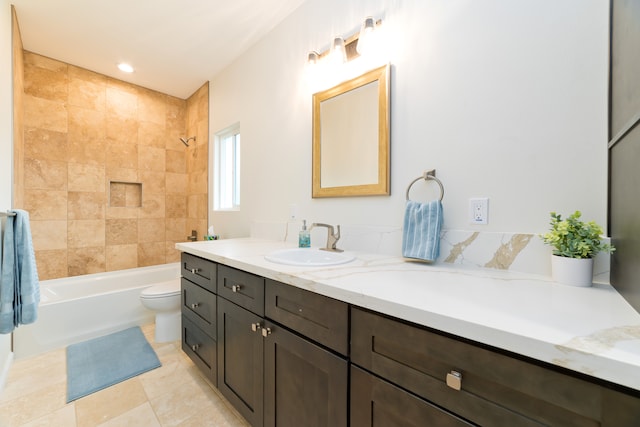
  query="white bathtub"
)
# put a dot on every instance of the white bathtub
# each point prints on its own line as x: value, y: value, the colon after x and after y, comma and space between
x: 75, y: 309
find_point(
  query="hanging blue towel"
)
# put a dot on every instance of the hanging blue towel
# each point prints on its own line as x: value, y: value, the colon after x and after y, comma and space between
x: 19, y: 285
x: 7, y: 279
x: 421, y: 230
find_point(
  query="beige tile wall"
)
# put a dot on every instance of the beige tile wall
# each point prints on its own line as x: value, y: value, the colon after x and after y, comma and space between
x: 197, y: 161
x: 18, y: 112
x: 84, y: 130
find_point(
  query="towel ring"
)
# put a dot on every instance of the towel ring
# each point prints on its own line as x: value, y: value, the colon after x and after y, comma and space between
x: 426, y: 176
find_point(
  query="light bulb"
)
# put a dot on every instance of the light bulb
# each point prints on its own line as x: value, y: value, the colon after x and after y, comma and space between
x: 338, y: 51
x: 365, y: 36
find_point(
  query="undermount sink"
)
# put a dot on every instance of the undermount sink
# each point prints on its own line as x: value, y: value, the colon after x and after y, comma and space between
x: 310, y: 257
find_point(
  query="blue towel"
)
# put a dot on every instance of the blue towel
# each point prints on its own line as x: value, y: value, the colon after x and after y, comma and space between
x: 19, y: 285
x: 7, y: 279
x: 421, y: 230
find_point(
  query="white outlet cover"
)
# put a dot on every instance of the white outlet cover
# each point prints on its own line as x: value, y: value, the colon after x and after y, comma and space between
x: 479, y: 210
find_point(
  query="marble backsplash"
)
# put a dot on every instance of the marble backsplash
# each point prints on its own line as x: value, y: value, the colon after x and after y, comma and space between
x: 518, y: 252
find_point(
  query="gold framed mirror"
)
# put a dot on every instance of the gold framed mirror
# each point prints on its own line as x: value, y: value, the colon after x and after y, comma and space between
x: 351, y: 137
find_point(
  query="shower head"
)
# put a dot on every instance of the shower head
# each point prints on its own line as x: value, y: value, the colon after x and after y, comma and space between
x: 186, y: 141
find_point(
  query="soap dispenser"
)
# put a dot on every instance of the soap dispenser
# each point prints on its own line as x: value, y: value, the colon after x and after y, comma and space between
x: 304, y: 239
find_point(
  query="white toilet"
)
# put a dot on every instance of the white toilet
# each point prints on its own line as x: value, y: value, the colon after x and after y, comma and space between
x: 164, y: 299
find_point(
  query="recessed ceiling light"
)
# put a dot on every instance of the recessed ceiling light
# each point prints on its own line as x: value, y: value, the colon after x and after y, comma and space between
x: 125, y: 67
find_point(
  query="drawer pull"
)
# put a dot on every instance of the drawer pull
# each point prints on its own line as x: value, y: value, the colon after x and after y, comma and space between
x: 195, y: 347
x: 195, y: 305
x: 194, y: 270
x: 255, y: 327
x: 454, y: 380
x: 266, y: 332
x: 236, y: 288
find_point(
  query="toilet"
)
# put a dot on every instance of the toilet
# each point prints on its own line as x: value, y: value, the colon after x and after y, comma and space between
x: 164, y: 299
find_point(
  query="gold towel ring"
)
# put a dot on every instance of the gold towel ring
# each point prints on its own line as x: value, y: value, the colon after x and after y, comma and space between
x: 428, y: 175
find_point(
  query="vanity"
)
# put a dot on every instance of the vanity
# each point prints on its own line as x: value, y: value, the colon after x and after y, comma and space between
x: 382, y: 341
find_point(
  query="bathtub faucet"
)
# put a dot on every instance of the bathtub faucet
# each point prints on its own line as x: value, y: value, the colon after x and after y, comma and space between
x: 194, y: 236
x: 332, y: 237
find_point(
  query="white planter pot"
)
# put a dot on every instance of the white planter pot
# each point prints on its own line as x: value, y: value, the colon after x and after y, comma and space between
x: 572, y: 271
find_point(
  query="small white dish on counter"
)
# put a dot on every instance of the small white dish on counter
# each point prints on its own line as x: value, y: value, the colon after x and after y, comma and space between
x: 309, y: 257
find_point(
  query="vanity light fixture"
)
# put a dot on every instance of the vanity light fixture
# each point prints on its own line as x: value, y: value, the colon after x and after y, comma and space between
x: 343, y: 50
x: 123, y: 66
x: 338, y: 53
x: 313, y: 58
x: 365, y: 39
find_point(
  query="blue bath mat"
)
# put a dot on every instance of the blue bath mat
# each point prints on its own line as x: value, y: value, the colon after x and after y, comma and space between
x: 102, y: 362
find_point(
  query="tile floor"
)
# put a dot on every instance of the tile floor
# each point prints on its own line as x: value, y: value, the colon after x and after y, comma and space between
x: 173, y: 395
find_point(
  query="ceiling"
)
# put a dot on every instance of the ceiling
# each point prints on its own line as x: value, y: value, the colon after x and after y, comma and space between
x: 175, y: 46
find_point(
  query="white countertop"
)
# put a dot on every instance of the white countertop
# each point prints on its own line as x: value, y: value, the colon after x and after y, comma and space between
x: 589, y: 330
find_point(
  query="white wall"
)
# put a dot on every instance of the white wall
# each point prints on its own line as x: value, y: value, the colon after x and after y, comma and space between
x: 507, y: 100
x: 6, y: 144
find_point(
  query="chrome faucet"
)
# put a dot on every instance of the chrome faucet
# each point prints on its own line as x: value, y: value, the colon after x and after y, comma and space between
x: 332, y: 237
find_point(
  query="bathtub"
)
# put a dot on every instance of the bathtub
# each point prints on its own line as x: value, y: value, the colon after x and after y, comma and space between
x: 75, y: 309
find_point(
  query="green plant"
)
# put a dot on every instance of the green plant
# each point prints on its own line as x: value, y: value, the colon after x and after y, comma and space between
x: 573, y: 238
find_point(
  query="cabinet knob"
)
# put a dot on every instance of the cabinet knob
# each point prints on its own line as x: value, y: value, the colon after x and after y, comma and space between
x: 255, y: 326
x: 236, y: 288
x: 266, y: 332
x: 454, y: 380
x: 195, y: 347
x: 195, y: 305
x: 194, y: 270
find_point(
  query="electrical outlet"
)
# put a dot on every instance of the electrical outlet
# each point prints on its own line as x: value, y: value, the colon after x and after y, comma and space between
x: 293, y: 211
x: 479, y: 210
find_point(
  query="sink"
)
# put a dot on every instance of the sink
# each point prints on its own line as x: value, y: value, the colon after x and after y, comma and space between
x: 309, y: 257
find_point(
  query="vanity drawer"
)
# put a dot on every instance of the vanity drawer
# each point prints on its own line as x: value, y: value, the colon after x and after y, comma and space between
x: 199, y: 305
x: 199, y: 270
x: 376, y: 402
x: 317, y: 317
x: 496, y: 389
x: 244, y: 289
x: 200, y: 348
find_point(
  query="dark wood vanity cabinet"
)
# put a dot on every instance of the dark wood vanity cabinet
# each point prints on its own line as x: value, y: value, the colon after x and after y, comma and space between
x: 288, y: 357
x: 471, y: 382
x: 306, y: 367
x: 199, y: 302
x: 273, y: 373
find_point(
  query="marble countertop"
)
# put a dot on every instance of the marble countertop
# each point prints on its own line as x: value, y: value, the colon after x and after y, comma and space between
x: 589, y: 330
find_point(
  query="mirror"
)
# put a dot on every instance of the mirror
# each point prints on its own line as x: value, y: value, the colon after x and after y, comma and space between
x: 351, y: 137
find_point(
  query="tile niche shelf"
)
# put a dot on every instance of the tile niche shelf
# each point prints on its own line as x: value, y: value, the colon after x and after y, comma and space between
x: 125, y: 194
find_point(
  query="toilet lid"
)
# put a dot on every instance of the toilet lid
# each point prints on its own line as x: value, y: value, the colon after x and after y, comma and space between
x: 163, y: 289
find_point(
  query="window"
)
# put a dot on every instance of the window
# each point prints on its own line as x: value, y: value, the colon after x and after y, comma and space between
x: 227, y: 169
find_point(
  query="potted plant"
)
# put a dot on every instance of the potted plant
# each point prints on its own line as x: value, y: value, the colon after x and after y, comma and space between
x: 575, y: 244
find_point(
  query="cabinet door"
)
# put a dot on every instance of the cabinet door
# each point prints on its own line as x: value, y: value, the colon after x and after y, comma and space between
x: 305, y: 385
x: 375, y: 402
x: 240, y: 360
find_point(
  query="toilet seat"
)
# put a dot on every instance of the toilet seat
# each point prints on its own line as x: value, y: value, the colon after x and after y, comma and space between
x: 162, y: 290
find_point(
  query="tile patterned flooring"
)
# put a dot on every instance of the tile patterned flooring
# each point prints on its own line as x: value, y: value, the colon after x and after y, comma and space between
x: 173, y: 395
